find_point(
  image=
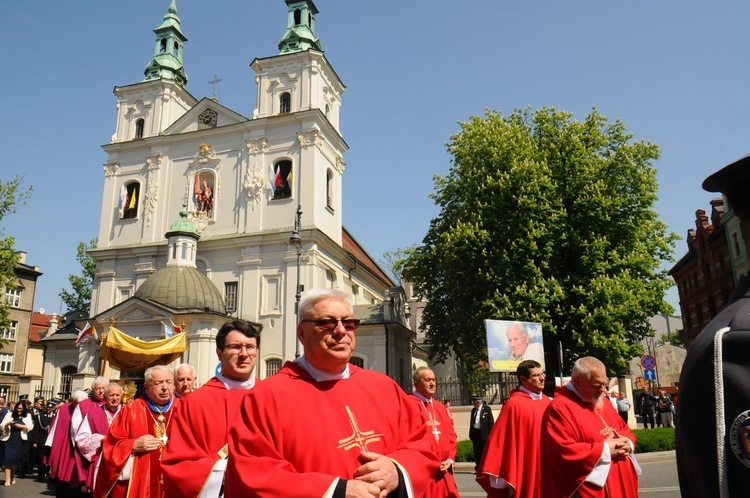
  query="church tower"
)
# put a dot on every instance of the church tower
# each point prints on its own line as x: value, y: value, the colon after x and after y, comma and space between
x: 239, y: 248
x: 146, y: 109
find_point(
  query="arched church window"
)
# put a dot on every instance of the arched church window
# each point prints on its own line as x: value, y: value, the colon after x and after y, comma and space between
x: 329, y: 189
x: 139, y: 124
x: 330, y: 279
x: 129, y: 199
x: 309, y: 20
x: 297, y: 17
x: 176, y: 49
x: 203, y: 192
x: 285, y: 103
x: 163, y: 46
x: 282, y: 180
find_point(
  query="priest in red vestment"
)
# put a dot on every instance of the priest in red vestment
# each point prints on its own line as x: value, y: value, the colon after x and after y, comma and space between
x: 90, y: 434
x: 511, y: 464
x: 323, y: 427
x: 131, y: 455
x: 586, y: 447
x: 195, y: 459
x: 61, y: 461
x: 440, y: 425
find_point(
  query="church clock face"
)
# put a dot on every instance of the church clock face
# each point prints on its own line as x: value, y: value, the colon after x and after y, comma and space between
x: 207, y: 119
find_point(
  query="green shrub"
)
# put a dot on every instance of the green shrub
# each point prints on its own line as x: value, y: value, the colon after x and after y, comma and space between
x: 465, y: 451
x: 649, y: 440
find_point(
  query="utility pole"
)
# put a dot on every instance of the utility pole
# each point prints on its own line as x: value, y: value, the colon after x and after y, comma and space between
x: 296, y: 241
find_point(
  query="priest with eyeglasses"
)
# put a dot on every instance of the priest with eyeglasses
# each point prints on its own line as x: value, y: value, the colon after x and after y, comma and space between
x: 196, y: 457
x: 322, y: 427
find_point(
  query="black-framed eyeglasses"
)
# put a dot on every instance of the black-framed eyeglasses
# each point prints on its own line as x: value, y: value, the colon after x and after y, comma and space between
x: 329, y: 324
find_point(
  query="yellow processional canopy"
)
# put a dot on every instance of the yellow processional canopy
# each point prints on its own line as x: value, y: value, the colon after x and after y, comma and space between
x: 129, y: 354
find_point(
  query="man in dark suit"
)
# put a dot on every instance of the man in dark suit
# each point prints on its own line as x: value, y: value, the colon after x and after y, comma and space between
x: 480, y: 425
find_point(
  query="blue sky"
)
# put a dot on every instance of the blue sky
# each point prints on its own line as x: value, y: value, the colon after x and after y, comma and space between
x: 676, y: 73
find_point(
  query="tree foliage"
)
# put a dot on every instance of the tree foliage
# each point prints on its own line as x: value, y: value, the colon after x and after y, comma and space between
x: 393, y: 263
x: 80, y: 296
x: 11, y: 196
x: 544, y: 219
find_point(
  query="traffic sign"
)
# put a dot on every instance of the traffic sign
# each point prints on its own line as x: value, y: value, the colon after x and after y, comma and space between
x: 649, y: 374
x: 648, y: 362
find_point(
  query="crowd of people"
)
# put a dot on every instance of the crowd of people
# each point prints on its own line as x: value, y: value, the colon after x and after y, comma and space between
x: 320, y: 427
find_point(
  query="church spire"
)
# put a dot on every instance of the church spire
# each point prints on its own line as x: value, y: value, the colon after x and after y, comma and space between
x: 167, y: 61
x: 300, y: 30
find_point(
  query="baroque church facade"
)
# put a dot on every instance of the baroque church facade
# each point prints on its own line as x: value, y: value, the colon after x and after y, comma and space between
x: 208, y: 214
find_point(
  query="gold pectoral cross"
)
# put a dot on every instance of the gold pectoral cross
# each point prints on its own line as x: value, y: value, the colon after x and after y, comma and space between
x: 433, y: 422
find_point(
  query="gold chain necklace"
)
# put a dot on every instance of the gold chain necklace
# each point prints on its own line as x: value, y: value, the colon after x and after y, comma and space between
x: 160, y: 427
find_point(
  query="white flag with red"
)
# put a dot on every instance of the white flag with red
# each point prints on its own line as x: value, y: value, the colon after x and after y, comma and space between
x: 85, y: 331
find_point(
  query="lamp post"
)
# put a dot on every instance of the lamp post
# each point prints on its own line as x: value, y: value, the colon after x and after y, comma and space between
x: 296, y: 241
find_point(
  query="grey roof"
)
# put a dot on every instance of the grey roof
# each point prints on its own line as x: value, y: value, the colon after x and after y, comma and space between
x: 182, y: 288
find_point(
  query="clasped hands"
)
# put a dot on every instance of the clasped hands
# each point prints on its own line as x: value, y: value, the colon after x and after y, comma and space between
x: 376, y: 477
x: 619, y: 446
x: 146, y: 443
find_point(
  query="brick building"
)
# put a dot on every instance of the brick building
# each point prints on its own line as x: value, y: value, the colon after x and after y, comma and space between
x: 704, y: 275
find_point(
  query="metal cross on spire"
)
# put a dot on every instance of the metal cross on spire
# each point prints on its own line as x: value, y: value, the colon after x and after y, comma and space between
x: 215, y: 82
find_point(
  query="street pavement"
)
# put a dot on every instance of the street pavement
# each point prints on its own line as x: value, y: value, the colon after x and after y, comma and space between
x: 659, y: 480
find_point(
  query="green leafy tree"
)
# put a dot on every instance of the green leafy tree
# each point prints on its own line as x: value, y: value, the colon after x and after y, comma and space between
x: 544, y: 219
x: 80, y: 297
x: 393, y: 263
x: 11, y: 196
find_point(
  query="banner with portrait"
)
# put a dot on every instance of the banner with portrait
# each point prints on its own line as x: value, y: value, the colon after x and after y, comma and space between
x: 510, y: 342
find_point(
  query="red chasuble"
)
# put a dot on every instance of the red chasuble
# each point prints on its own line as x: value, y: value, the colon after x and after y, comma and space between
x: 294, y: 436
x: 134, y: 420
x: 513, y: 449
x: 573, y: 435
x: 440, y: 425
x: 197, y: 434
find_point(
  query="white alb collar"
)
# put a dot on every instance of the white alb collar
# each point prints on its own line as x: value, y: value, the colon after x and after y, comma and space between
x: 320, y: 375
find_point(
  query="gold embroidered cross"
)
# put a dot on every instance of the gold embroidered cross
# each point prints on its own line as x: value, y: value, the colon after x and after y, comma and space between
x: 358, y: 439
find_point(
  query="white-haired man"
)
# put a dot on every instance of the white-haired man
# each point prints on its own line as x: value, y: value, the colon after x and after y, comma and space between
x: 323, y: 427
x: 587, y: 450
x: 90, y: 434
x: 184, y: 380
x: 95, y: 402
x: 130, y: 464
